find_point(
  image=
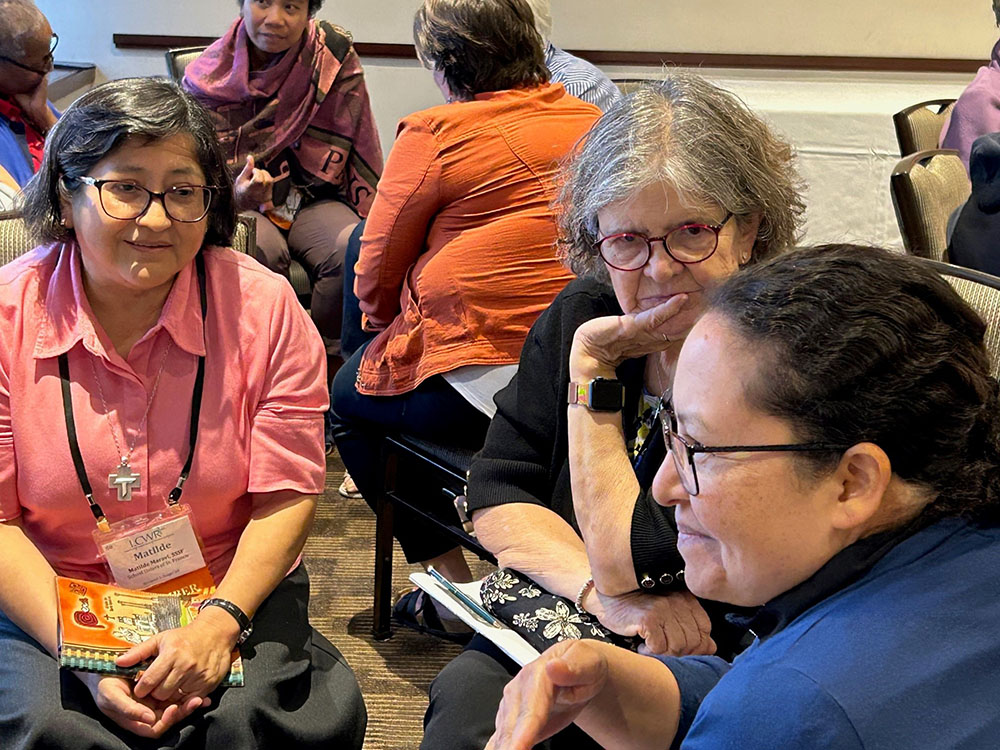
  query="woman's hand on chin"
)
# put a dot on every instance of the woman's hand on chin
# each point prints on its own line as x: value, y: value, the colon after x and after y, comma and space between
x: 190, y: 660
x: 548, y: 694
x: 144, y: 717
x: 601, y: 344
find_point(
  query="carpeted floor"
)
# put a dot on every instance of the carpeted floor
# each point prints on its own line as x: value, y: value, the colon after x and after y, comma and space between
x: 394, y: 674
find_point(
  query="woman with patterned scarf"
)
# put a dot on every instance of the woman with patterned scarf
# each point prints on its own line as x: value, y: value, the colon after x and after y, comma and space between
x: 288, y: 97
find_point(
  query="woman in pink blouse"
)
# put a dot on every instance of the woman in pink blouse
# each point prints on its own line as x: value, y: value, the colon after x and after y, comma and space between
x: 141, y: 359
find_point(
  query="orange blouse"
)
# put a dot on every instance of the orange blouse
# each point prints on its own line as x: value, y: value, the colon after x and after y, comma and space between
x: 458, y: 255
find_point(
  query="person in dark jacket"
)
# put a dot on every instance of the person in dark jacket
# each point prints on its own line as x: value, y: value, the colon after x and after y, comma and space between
x: 975, y: 239
x: 834, y: 433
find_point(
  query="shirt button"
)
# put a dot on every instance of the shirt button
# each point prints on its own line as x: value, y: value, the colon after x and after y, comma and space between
x: 666, y: 579
x: 647, y: 582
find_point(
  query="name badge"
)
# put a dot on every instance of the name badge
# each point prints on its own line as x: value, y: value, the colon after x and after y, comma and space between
x: 149, y: 549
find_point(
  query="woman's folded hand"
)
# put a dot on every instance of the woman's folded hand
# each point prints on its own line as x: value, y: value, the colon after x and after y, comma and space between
x: 674, y: 624
x: 190, y: 660
x: 144, y: 717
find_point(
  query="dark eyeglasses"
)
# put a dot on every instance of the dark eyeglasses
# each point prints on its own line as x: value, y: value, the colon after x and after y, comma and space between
x: 683, y: 451
x: 688, y: 243
x: 126, y: 200
x: 48, y: 60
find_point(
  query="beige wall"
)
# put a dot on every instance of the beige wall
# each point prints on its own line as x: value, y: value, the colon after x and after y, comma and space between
x: 905, y: 28
x: 840, y: 123
x: 901, y: 28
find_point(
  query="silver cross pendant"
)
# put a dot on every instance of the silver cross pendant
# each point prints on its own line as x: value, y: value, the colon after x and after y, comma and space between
x: 123, y: 480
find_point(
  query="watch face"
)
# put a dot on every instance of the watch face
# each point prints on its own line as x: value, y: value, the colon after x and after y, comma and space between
x: 606, y: 395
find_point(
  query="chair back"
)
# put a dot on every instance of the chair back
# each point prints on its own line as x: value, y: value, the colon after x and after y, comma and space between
x: 926, y: 189
x: 918, y: 127
x: 982, y: 292
x: 14, y: 239
x: 178, y: 59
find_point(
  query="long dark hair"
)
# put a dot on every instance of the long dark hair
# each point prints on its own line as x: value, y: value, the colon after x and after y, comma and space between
x: 858, y: 344
x: 100, y: 121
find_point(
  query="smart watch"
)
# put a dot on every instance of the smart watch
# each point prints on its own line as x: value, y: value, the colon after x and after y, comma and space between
x: 599, y: 394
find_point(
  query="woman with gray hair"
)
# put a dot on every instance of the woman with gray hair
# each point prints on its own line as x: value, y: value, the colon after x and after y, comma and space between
x: 675, y: 188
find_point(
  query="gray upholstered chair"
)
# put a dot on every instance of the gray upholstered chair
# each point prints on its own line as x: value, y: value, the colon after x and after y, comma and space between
x: 926, y: 189
x: 13, y: 237
x: 918, y: 127
x: 177, y: 62
x: 982, y: 292
x: 178, y: 59
x: 14, y: 240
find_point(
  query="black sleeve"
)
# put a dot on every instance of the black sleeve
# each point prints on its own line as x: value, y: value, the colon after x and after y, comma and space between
x: 659, y: 567
x: 524, y: 457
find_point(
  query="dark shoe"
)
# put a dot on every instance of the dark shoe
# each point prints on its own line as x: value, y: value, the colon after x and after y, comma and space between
x: 415, y: 610
x: 328, y: 422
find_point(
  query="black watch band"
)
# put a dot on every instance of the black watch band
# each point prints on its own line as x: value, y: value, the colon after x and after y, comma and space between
x: 246, y: 627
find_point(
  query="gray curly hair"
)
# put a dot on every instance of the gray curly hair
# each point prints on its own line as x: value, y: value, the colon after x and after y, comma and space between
x: 697, y: 137
x: 996, y: 10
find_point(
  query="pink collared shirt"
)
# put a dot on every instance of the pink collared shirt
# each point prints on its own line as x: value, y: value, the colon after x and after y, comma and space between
x: 261, y: 426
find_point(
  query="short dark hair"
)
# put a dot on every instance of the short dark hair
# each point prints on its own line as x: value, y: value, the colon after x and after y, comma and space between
x: 480, y: 45
x: 314, y: 6
x: 97, y: 123
x: 858, y: 344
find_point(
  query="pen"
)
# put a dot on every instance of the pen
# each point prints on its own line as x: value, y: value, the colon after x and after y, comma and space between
x: 468, y: 603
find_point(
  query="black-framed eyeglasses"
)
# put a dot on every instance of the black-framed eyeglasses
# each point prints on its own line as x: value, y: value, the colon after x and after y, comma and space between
x: 48, y: 59
x: 683, y: 451
x: 688, y: 243
x: 126, y: 200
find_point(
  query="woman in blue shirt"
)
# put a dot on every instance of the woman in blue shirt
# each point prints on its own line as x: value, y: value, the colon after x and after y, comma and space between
x: 834, y: 431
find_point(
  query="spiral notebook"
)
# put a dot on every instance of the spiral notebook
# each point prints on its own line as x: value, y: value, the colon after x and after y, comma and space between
x: 99, y: 622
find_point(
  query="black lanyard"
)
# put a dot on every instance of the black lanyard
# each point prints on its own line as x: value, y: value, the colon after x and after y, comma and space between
x: 199, y: 386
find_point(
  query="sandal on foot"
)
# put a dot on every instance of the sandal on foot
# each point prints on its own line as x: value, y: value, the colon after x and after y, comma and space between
x: 349, y: 489
x: 414, y: 609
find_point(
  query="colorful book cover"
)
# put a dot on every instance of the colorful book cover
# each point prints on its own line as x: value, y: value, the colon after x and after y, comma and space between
x: 98, y: 622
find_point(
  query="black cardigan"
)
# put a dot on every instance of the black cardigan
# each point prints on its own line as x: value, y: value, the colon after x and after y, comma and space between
x: 526, y: 457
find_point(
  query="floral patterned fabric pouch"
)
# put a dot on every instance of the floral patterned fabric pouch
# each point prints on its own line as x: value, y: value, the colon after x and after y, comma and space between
x: 539, y: 617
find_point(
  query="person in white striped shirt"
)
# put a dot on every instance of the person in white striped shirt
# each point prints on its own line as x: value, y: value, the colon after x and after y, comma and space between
x: 578, y: 77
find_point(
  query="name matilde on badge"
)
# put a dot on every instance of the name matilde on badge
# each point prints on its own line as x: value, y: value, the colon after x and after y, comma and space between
x: 155, y: 554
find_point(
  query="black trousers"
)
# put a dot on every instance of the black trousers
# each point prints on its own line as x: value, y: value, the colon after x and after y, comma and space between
x: 352, y: 335
x: 464, y: 699
x: 433, y: 411
x: 299, y: 693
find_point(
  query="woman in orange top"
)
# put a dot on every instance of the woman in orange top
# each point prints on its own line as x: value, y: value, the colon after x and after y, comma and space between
x: 458, y: 256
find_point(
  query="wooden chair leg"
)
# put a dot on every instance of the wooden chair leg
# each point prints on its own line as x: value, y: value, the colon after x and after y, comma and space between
x: 382, y: 604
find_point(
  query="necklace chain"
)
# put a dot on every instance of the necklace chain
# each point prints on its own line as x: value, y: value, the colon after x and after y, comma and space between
x: 107, y: 414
